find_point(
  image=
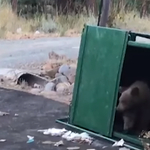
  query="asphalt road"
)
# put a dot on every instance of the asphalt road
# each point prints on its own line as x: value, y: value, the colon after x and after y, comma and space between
x: 34, y: 113
x: 18, y: 53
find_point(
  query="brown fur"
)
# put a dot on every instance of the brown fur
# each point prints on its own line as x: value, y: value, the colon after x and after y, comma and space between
x: 134, y: 103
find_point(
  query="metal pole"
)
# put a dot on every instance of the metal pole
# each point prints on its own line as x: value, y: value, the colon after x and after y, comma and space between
x: 100, y: 12
x: 105, y: 13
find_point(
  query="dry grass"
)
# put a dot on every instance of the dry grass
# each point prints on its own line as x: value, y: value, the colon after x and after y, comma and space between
x: 10, y: 24
x: 132, y: 21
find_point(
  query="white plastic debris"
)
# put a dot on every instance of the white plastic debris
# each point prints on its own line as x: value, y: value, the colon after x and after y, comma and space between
x: 2, y: 140
x: 73, y: 148
x: 124, y: 148
x: 71, y: 136
x: 19, y: 30
x: 68, y: 135
x: 119, y: 143
x: 53, y: 131
x: 37, y: 32
x: 16, y: 115
x: 36, y: 86
x: 85, y: 136
x: 59, y: 143
x: 3, y: 113
x: 30, y: 139
x: 48, y: 142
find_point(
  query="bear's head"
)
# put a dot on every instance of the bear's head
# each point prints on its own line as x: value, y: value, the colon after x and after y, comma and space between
x: 128, y: 99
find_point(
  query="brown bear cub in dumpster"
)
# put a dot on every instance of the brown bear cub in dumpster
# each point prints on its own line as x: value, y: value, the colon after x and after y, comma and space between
x: 134, y: 104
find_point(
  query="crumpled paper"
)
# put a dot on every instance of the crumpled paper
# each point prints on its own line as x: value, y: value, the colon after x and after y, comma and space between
x: 118, y: 143
x: 68, y: 135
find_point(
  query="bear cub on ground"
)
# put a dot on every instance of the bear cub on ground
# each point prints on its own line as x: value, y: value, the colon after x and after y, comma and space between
x: 134, y: 104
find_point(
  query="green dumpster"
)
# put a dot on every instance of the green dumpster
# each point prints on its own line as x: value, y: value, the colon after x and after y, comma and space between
x: 107, y: 59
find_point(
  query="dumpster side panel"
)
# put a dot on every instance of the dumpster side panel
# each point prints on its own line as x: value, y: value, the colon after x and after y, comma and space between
x: 97, y: 78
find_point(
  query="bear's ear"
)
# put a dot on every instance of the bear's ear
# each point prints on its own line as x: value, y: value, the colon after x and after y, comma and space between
x: 135, y: 91
x: 122, y: 89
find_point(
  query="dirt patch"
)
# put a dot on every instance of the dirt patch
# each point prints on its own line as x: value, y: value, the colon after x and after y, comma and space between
x: 59, y: 71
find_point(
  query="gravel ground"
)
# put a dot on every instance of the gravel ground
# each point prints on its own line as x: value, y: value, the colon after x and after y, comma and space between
x: 33, y: 52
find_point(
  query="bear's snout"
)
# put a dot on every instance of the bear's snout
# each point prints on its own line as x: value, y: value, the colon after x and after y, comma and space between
x: 119, y: 108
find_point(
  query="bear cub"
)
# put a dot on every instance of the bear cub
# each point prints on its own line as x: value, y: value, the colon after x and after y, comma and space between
x: 134, y: 104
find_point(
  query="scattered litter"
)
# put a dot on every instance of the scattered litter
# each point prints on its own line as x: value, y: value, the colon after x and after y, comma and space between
x: 83, y: 137
x: 19, y: 30
x: 48, y: 142
x: 104, y: 147
x: 37, y: 32
x: 36, y: 85
x: 68, y: 135
x: 2, y: 140
x: 30, y: 139
x: 124, y: 148
x: 119, y: 143
x: 60, y: 143
x: 53, y: 131
x: 3, y: 113
x: 16, y: 115
x: 73, y: 148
